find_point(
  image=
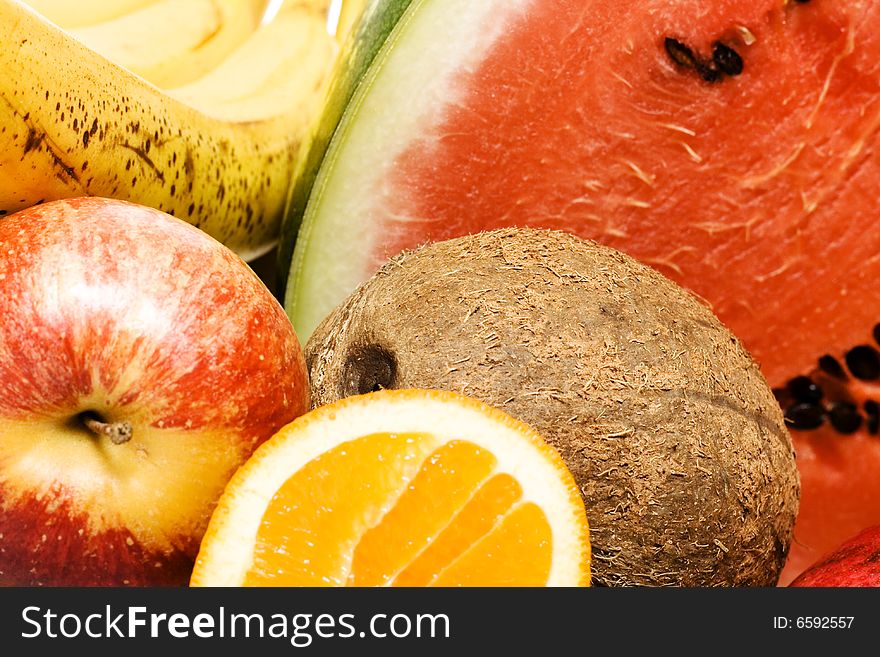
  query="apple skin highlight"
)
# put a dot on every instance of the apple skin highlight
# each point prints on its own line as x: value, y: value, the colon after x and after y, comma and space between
x: 122, y: 314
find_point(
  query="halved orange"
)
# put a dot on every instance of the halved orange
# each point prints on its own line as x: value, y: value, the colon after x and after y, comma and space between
x: 400, y: 488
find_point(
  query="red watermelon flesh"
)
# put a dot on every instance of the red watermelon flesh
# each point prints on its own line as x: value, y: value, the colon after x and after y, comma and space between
x: 758, y: 191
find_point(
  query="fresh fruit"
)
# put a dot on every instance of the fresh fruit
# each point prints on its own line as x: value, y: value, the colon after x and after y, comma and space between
x: 666, y: 423
x: 74, y: 124
x: 855, y: 563
x: 401, y: 488
x: 360, y: 48
x: 839, y: 487
x: 173, y: 42
x: 67, y: 14
x: 141, y: 362
x: 731, y: 145
x: 268, y: 71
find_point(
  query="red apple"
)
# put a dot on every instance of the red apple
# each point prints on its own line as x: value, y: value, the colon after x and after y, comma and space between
x: 141, y: 362
x: 855, y: 563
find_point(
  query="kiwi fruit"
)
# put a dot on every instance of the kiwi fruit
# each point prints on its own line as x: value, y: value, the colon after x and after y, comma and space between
x: 674, y: 436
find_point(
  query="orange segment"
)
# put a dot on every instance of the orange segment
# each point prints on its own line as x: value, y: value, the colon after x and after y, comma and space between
x: 405, y: 488
x: 318, y: 506
x: 497, y: 558
x: 476, y: 519
x: 445, y: 483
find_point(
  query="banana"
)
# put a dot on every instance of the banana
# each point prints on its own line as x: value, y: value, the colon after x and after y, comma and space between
x: 173, y: 42
x: 269, y: 70
x: 73, y: 123
x: 77, y: 13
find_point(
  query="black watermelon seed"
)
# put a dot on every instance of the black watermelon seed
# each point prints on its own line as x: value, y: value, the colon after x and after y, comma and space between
x: 727, y: 59
x: 680, y: 53
x: 845, y: 417
x: 804, y: 390
x: 804, y: 417
x: 873, y: 411
x: 877, y: 334
x: 864, y: 362
x: 708, y: 73
x: 830, y: 365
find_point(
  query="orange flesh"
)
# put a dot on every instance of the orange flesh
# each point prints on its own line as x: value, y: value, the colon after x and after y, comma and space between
x: 497, y: 559
x: 415, y: 514
x: 474, y: 521
x: 444, y: 484
x: 315, y: 520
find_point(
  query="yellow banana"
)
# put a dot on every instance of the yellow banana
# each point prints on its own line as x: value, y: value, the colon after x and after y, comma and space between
x: 77, y: 13
x: 173, y: 42
x: 269, y: 70
x: 73, y: 123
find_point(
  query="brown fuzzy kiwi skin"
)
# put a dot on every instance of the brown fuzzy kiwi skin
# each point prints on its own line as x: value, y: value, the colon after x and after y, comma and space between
x: 672, y: 433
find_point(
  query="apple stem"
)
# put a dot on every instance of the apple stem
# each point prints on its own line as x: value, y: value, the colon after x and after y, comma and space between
x: 117, y: 432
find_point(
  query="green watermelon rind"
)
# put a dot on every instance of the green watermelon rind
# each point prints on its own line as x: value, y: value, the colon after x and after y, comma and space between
x: 358, y: 52
x: 333, y: 250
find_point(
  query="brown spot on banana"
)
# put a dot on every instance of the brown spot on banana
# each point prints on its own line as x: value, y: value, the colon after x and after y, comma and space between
x: 141, y: 152
x: 35, y: 142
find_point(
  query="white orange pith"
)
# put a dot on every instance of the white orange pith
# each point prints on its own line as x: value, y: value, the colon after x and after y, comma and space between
x: 401, y: 488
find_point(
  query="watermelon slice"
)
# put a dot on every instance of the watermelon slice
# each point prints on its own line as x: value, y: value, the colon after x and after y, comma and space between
x: 732, y: 144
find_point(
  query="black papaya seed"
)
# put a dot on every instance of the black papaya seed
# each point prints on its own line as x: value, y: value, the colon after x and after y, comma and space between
x: 864, y: 362
x: 830, y: 365
x: 804, y: 417
x: 845, y: 417
x: 873, y: 412
x: 803, y: 389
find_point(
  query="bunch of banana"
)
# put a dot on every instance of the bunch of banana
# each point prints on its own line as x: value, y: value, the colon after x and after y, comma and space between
x: 173, y: 42
x: 236, y: 90
x: 74, y: 123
